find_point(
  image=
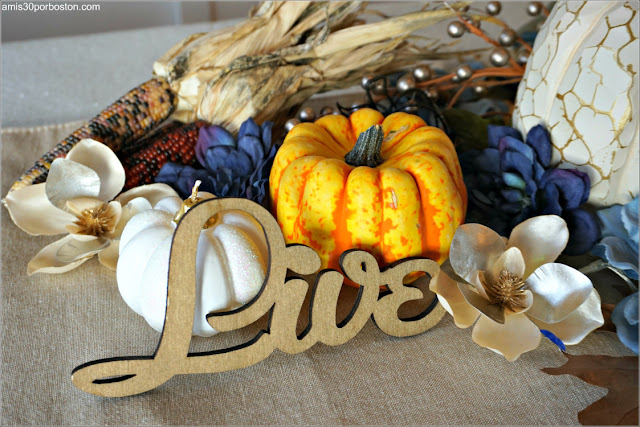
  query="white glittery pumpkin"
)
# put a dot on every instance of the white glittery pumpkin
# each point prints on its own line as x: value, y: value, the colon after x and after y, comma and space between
x: 581, y: 83
x: 231, y: 264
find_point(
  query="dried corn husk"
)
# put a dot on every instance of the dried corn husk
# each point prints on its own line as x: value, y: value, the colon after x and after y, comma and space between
x: 284, y: 53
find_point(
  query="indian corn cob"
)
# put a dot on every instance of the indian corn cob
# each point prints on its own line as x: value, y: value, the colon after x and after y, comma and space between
x: 129, y: 118
x: 144, y: 142
x: 176, y: 145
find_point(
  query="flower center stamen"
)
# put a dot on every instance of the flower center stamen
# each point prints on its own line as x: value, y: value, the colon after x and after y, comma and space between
x: 94, y: 221
x: 507, y: 290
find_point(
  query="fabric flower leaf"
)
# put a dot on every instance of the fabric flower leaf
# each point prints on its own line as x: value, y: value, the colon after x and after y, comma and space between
x: 470, y: 129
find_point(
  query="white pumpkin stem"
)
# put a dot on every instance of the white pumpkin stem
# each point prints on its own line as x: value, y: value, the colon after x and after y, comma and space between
x: 189, y: 202
x: 194, y: 190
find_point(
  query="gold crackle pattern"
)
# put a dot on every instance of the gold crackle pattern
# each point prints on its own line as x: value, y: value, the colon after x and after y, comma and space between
x: 581, y: 82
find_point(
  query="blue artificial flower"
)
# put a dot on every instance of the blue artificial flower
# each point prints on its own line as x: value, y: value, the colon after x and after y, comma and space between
x: 625, y: 317
x: 231, y: 168
x: 182, y: 178
x: 511, y: 181
x: 619, y: 244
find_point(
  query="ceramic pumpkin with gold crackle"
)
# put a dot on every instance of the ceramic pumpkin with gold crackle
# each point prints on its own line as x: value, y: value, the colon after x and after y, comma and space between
x: 581, y: 83
x: 390, y: 186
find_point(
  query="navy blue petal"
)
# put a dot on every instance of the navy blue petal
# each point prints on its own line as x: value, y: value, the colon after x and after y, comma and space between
x: 511, y: 207
x: 586, y: 182
x: 538, y: 139
x: 181, y: 178
x: 495, y: 133
x: 229, y: 158
x: 210, y: 136
x: 512, y: 161
x: 513, y: 144
x: 481, y: 197
x: 169, y: 172
x: 239, y: 163
x: 550, y: 204
x: 260, y: 178
x: 208, y: 184
x: 511, y: 195
x: 487, y: 161
x: 215, y: 157
x: 531, y: 188
x: 267, y: 129
x: 584, y: 231
x: 249, y: 127
x: 538, y: 171
x: 571, y: 185
x: 253, y: 147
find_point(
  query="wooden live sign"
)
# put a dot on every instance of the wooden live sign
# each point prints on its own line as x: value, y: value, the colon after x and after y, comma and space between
x: 281, y: 296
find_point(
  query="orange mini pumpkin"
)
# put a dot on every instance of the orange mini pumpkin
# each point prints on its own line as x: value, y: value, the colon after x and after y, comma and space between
x: 391, y: 186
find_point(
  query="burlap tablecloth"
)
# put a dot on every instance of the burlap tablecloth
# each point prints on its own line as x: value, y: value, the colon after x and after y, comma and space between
x: 53, y: 323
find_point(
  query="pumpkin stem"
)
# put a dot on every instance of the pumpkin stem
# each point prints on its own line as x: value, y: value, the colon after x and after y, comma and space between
x: 367, y: 149
x: 194, y: 190
x: 189, y: 203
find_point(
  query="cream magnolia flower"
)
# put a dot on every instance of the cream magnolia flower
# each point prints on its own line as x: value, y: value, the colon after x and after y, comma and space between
x: 76, y: 199
x: 516, y: 287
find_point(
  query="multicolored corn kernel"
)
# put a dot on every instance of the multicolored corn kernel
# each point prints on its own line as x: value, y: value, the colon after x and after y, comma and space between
x: 126, y: 120
x: 142, y: 143
x: 177, y: 145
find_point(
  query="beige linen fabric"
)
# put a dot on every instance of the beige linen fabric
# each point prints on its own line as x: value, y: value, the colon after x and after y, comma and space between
x: 53, y: 323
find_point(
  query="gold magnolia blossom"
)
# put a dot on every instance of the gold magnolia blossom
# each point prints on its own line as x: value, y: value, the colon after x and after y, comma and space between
x: 77, y: 199
x: 514, y: 289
